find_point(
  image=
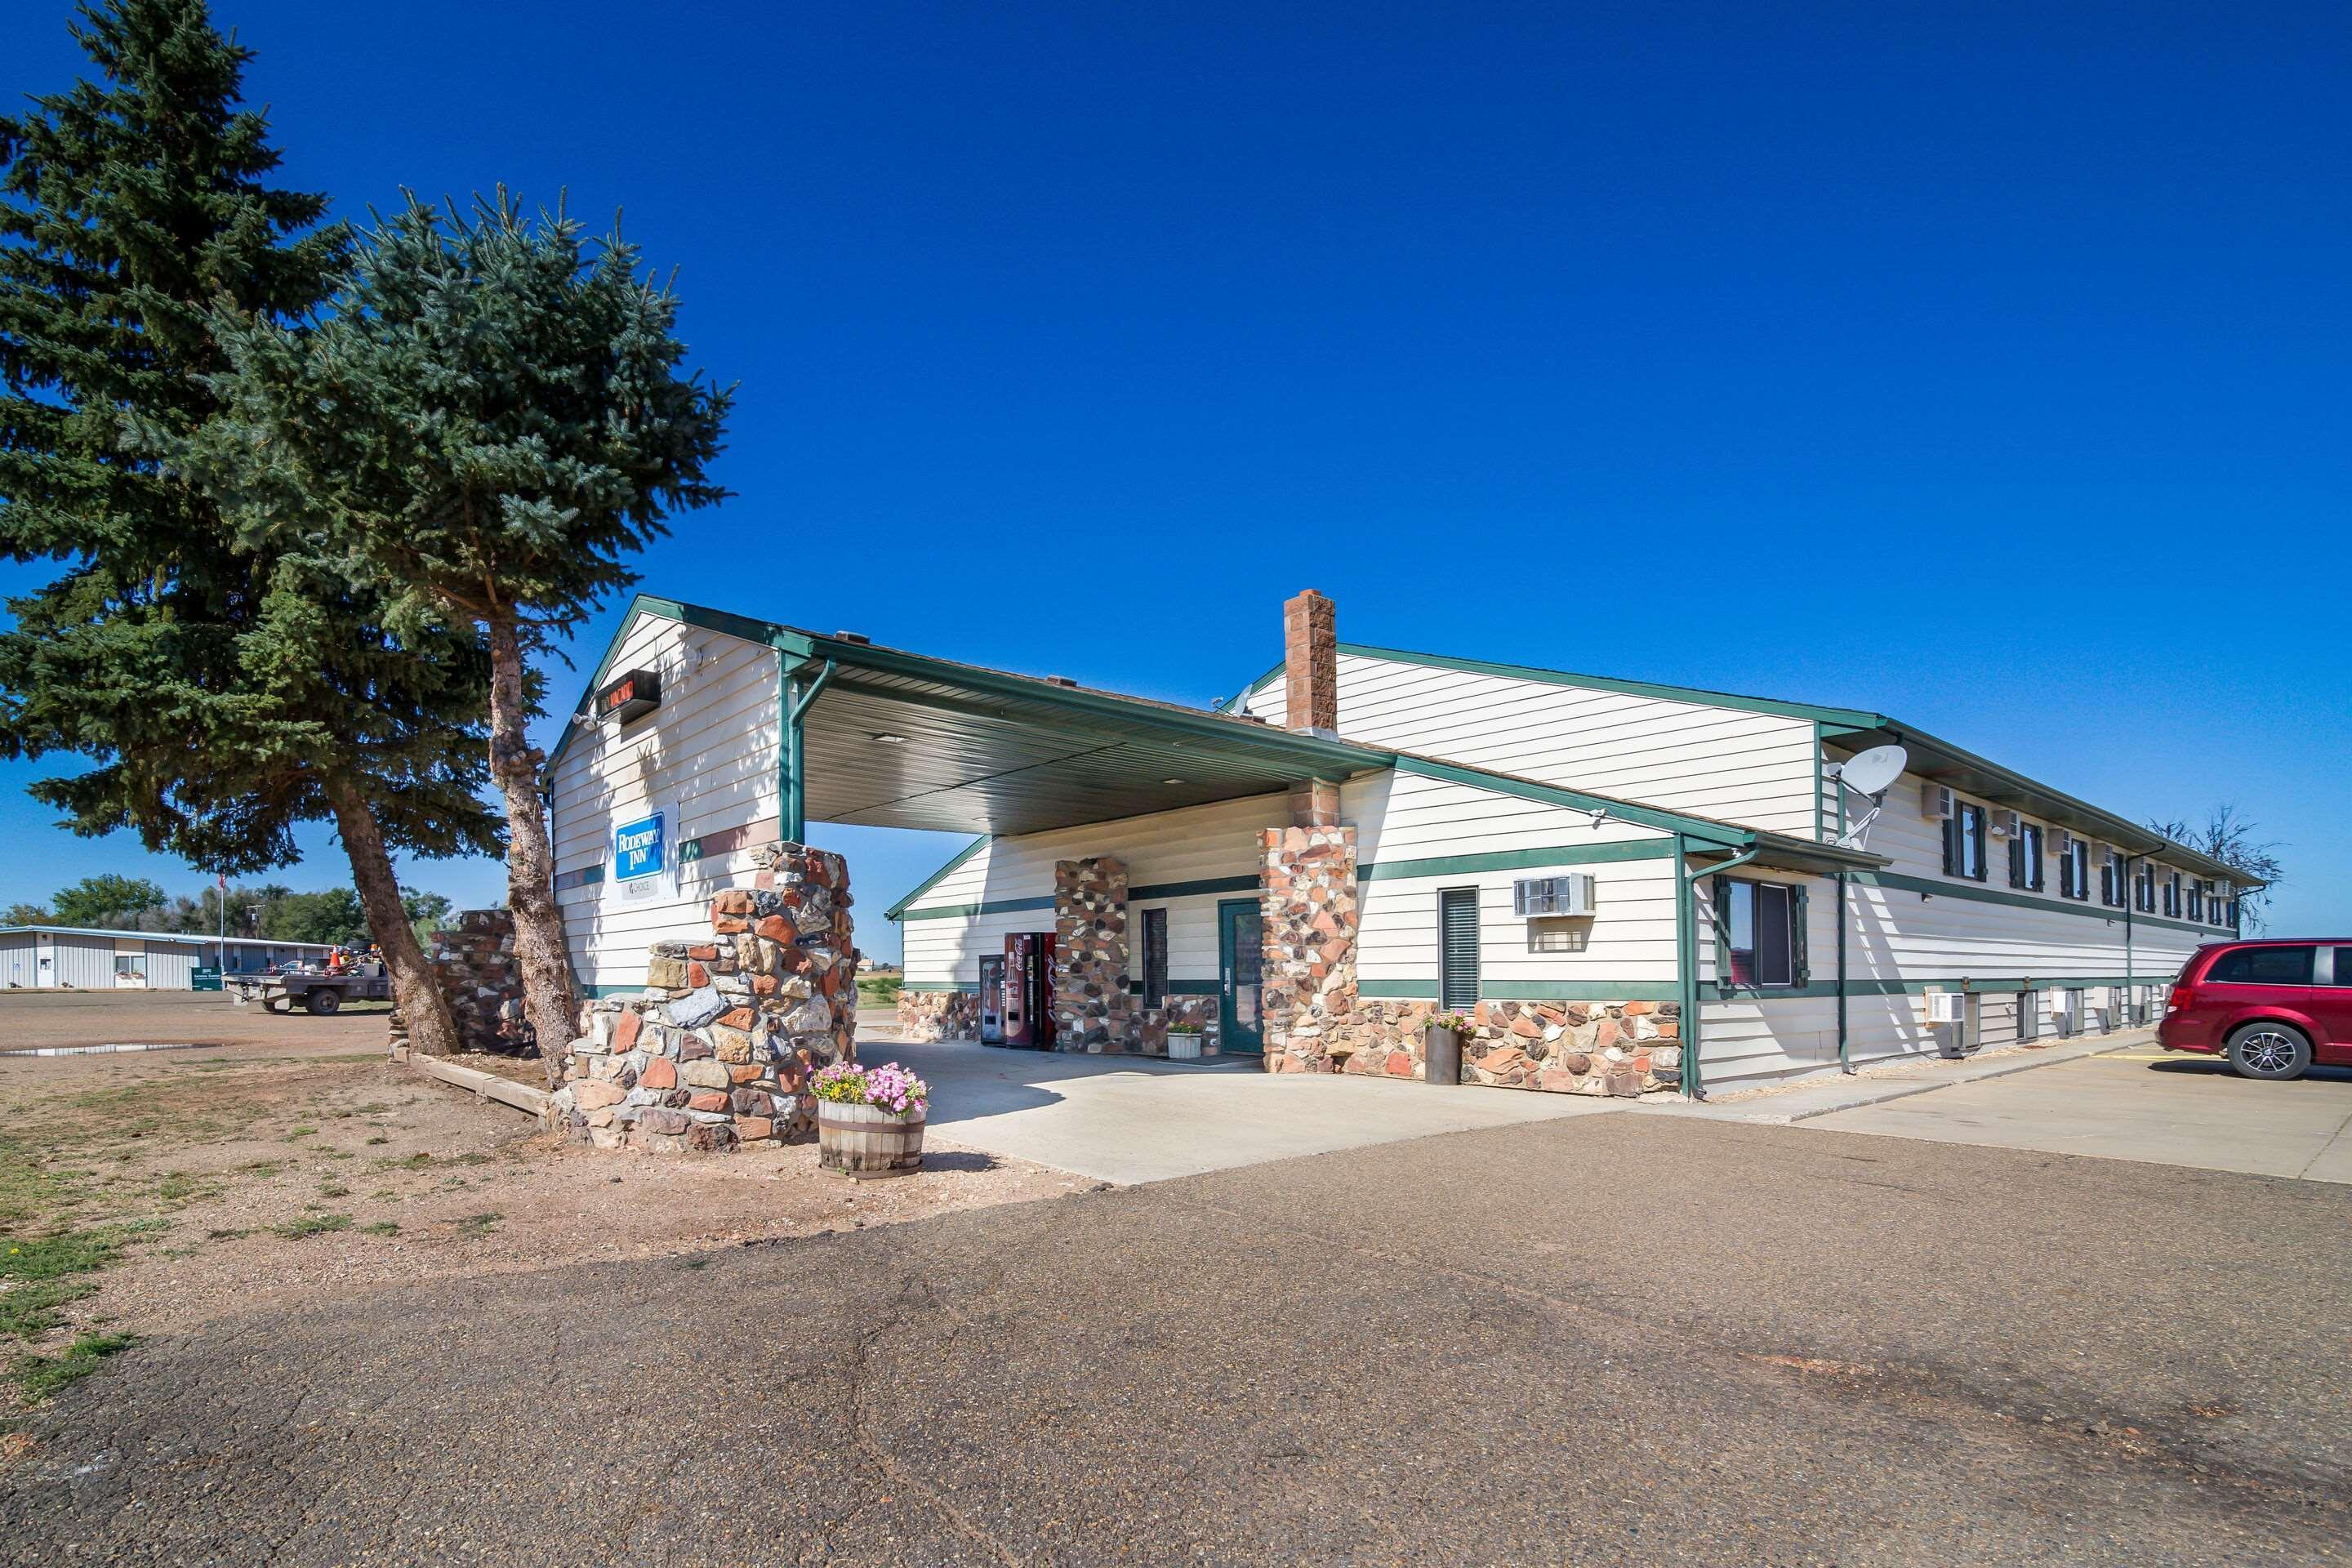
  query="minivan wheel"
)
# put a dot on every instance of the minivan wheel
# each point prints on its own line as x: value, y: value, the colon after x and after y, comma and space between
x: 2270, y: 1051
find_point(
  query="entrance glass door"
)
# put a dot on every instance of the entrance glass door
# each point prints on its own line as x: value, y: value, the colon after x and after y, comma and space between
x: 1241, y: 953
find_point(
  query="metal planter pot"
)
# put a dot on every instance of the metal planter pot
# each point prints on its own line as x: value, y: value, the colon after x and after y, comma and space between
x: 1441, y: 1055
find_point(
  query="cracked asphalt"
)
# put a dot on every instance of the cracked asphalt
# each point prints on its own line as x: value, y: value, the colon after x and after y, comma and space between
x: 1610, y: 1339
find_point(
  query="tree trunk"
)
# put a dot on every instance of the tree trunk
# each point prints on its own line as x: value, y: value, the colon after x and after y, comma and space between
x: 431, y: 1027
x: 540, y: 952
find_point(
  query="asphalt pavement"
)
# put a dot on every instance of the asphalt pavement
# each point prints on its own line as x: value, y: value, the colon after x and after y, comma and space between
x: 1604, y: 1339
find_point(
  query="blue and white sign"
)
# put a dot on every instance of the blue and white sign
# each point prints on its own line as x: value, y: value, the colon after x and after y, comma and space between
x: 639, y: 848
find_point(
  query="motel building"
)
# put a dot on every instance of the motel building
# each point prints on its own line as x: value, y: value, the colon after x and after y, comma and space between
x: 1625, y: 886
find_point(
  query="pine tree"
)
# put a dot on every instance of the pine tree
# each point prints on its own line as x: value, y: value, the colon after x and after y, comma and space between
x: 490, y: 419
x: 226, y: 693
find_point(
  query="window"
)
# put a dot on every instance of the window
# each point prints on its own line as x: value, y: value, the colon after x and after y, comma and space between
x: 2075, y: 871
x: 1760, y: 933
x: 2025, y: 857
x: 2197, y: 901
x: 2029, y: 1014
x: 2114, y: 881
x: 2262, y: 966
x: 1458, y: 949
x: 1155, y: 958
x: 2172, y: 895
x: 2144, y: 889
x: 1964, y: 841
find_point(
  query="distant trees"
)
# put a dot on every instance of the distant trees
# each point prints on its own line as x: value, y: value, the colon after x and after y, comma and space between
x: 270, y: 912
x: 2229, y: 837
x: 106, y: 900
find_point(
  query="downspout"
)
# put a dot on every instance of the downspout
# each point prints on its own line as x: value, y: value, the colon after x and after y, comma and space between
x: 791, y: 782
x: 1686, y: 923
x: 1845, y: 1064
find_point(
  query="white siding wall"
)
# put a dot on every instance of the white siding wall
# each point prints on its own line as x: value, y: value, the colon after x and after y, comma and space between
x: 1398, y: 818
x: 1724, y: 762
x: 1401, y: 817
x: 1198, y: 844
x: 1898, y: 942
x: 705, y: 758
x: 19, y: 966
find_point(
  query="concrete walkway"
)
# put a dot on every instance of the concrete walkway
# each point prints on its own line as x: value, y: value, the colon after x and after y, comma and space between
x: 1131, y: 1119
x: 1878, y: 1083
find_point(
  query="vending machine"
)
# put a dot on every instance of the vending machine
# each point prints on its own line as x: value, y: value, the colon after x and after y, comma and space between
x: 1029, y: 990
x: 991, y: 999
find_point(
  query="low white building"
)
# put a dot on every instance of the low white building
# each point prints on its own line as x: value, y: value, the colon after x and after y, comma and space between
x: 92, y: 959
x: 1603, y: 872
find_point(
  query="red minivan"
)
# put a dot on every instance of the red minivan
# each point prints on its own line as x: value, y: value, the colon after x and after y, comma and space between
x: 2274, y: 1006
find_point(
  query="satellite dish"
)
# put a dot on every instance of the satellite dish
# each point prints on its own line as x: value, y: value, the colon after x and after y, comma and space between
x: 1871, y: 772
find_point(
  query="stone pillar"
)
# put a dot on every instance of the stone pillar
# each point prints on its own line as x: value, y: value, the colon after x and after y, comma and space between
x: 473, y: 963
x: 1307, y: 903
x: 719, y: 1050
x: 1091, y: 1007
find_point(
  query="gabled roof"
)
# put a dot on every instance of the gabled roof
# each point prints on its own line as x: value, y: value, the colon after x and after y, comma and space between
x: 1858, y: 727
x: 903, y: 738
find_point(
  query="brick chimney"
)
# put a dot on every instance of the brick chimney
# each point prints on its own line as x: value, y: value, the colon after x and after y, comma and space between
x: 1311, y: 664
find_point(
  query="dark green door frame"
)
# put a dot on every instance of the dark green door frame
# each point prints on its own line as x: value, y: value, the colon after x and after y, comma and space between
x: 1238, y: 967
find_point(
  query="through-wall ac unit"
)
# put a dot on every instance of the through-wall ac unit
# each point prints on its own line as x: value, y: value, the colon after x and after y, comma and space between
x: 2007, y: 824
x: 1934, y: 801
x: 1568, y: 895
x: 2061, y: 841
x: 1946, y: 1008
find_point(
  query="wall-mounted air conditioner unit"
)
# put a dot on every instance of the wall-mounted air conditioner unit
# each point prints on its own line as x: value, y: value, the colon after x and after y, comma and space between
x: 1568, y: 895
x: 1946, y: 1008
x: 2006, y: 825
x: 2061, y: 841
x: 1934, y: 801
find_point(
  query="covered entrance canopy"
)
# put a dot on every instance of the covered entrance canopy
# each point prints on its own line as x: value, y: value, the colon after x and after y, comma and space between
x: 881, y: 737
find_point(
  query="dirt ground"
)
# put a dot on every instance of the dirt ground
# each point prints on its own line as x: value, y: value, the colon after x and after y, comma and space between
x: 286, y: 1160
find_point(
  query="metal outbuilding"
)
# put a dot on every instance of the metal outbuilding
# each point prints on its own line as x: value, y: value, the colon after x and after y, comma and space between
x: 85, y: 958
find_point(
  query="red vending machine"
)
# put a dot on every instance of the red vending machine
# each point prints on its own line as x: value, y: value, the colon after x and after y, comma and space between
x: 1029, y: 990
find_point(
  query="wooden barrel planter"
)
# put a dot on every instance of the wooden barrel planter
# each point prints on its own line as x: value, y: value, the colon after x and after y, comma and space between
x: 867, y: 1142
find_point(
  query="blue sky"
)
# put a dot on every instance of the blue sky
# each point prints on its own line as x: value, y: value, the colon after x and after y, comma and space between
x: 1982, y: 366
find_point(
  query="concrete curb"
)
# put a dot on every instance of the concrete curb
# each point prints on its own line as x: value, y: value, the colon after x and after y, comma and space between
x: 1805, y: 1102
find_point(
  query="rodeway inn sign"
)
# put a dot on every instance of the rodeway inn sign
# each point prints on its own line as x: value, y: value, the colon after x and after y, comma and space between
x: 637, y: 849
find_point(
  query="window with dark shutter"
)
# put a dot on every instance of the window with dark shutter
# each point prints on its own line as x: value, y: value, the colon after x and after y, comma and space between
x: 1155, y: 958
x: 1458, y: 943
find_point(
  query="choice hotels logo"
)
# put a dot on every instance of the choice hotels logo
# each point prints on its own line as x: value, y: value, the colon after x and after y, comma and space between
x: 637, y: 849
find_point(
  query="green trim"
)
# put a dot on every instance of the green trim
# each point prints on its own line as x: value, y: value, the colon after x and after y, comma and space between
x: 994, y: 906
x: 1827, y: 724
x: 1180, y: 987
x: 1518, y: 859
x: 1234, y: 704
x: 1529, y: 990
x: 1188, y: 890
x: 938, y: 985
x: 1936, y: 888
x: 933, y: 881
